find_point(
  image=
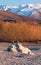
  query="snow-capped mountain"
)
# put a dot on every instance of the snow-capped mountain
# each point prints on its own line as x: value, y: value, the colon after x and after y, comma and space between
x: 25, y: 10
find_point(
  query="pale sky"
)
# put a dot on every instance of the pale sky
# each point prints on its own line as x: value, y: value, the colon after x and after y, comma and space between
x: 18, y: 2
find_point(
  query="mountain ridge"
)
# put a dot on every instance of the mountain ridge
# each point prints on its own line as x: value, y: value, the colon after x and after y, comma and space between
x: 24, y: 10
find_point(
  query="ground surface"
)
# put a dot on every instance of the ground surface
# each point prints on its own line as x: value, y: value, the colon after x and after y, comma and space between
x: 10, y: 58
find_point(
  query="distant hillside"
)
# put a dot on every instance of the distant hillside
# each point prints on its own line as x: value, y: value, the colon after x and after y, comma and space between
x: 12, y: 17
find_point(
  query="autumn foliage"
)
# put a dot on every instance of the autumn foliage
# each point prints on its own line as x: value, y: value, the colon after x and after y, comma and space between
x: 19, y: 31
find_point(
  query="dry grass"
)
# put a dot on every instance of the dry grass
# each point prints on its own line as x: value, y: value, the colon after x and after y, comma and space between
x: 19, y: 31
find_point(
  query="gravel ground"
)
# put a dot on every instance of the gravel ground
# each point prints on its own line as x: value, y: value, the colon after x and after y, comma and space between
x: 11, y: 58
